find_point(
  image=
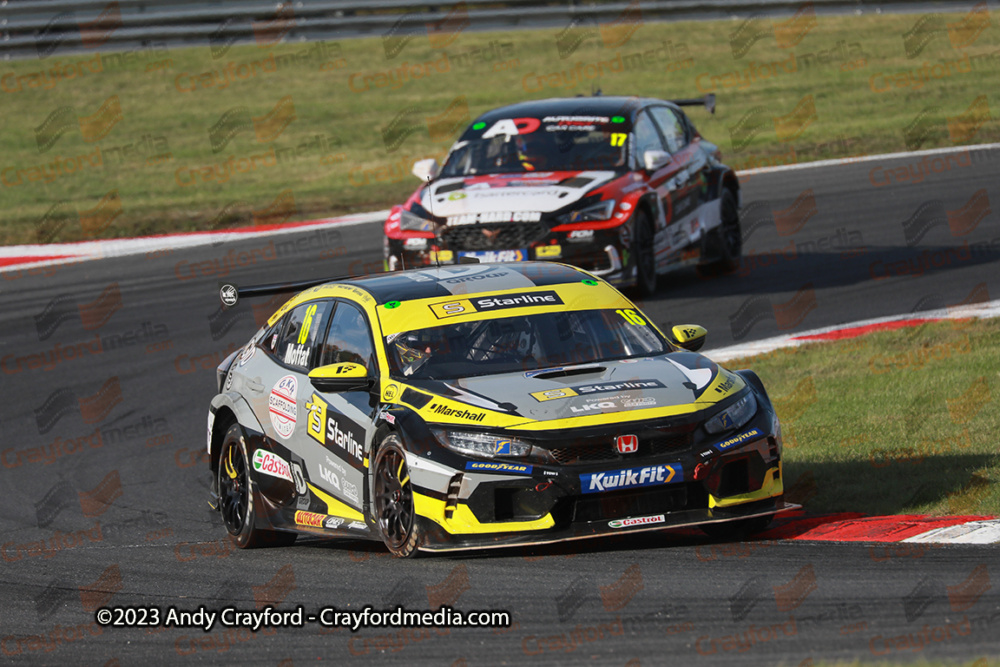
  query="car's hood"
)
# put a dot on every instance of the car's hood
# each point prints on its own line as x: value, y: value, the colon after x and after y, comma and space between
x: 653, y: 385
x: 461, y: 200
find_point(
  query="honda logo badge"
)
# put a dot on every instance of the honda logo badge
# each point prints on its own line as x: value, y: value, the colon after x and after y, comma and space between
x: 627, y: 444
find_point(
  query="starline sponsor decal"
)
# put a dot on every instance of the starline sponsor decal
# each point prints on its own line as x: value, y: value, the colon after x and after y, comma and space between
x: 497, y: 466
x: 329, y: 428
x: 601, y: 388
x: 271, y: 464
x: 495, y: 216
x: 309, y: 519
x: 470, y: 415
x: 630, y: 478
x: 739, y: 439
x: 488, y: 304
x: 281, y: 405
x: 636, y: 521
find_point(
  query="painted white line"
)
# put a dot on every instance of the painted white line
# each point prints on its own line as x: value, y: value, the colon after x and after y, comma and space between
x: 867, y: 158
x: 87, y: 250
x: 973, y: 532
x: 975, y: 310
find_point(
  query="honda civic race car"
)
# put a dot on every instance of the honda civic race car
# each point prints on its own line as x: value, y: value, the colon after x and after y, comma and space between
x: 483, y: 405
x: 623, y: 187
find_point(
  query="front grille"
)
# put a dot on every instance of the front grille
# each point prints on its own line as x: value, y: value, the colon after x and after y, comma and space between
x: 640, y: 502
x: 596, y: 452
x: 499, y: 236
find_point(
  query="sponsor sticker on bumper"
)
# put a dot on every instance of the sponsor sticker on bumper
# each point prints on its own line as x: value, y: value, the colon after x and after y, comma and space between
x: 631, y: 478
x: 752, y: 434
x: 498, y: 466
x: 485, y: 256
x: 636, y: 521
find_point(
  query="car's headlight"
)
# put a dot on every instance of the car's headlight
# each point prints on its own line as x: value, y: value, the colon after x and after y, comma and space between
x: 482, y: 445
x: 600, y: 211
x: 735, y: 416
x: 414, y: 223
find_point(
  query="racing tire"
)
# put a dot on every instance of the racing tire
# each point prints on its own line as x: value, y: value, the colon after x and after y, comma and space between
x: 725, y: 243
x: 236, y: 497
x: 645, y: 254
x: 392, y: 500
x: 736, y: 530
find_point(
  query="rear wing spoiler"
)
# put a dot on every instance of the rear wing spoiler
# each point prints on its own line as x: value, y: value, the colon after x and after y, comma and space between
x: 708, y: 101
x: 230, y: 294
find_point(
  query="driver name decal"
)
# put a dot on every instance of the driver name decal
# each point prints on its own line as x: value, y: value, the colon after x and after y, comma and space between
x: 281, y: 406
x: 630, y: 478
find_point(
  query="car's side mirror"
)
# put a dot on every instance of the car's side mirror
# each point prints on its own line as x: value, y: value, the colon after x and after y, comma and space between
x: 425, y: 170
x: 346, y: 376
x: 689, y: 336
x: 653, y: 160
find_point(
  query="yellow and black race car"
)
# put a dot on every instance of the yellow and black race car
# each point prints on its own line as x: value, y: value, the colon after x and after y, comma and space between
x: 483, y: 405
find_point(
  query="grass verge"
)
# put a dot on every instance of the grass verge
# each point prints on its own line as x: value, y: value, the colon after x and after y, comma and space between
x: 893, y: 422
x: 106, y: 145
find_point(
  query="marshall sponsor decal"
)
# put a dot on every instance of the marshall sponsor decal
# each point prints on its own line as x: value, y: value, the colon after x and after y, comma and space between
x: 309, y: 519
x: 630, y: 478
x: 497, y: 466
x: 600, y: 388
x: 334, y: 430
x: 495, y: 216
x: 271, y: 464
x: 489, y: 304
x: 470, y: 415
x: 281, y: 405
x: 752, y: 434
x: 636, y: 521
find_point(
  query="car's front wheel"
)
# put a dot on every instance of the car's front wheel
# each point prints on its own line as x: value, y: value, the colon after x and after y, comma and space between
x: 236, y: 501
x: 725, y: 243
x: 393, y: 500
x: 645, y: 255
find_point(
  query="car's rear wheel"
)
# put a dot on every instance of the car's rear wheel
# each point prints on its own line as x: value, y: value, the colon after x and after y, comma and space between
x: 725, y: 243
x: 393, y: 500
x: 236, y: 501
x: 645, y: 255
x: 736, y: 530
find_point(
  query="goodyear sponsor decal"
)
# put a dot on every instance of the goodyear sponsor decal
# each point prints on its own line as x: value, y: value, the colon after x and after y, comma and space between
x: 752, y: 434
x: 498, y: 466
x: 630, y: 478
x: 596, y: 388
x: 471, y: 415
x: 489, y: 304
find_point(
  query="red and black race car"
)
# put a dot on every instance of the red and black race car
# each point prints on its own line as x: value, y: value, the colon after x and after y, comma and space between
x: 623, y: 187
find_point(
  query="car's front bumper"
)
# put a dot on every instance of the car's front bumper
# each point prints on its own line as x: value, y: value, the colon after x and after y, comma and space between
x: 519, y: 505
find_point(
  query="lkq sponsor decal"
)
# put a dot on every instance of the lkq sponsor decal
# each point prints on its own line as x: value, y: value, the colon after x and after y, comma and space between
x: 636, y: 521
x: 629, y: 478
x: 271, y: 464
x: 627, y: 444
x: 281, y: 405
x: 329, y: 477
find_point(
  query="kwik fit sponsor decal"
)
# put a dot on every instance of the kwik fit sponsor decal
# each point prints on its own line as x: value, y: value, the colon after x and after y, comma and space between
x: 630, y: 478
x: 281, y: 405
x: 270, y: 464
x: 498, y: 466
x: 334, y: 431
x: 752, y: 434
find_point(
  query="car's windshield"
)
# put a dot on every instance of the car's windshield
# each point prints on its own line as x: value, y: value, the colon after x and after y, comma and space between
x: 511, y: 344
x: 552, y: 143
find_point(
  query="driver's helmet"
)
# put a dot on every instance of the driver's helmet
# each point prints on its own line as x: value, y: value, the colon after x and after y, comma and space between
x: 530, y: 150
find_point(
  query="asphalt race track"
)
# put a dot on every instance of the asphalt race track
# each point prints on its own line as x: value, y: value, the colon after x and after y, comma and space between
x: 108, y: 367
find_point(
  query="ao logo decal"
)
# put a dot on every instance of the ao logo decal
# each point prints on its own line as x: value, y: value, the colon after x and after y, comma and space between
x: 281, y: 405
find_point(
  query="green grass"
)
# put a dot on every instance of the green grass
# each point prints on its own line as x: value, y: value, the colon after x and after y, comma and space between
x: 893, y: 422
x: 350, y: 169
